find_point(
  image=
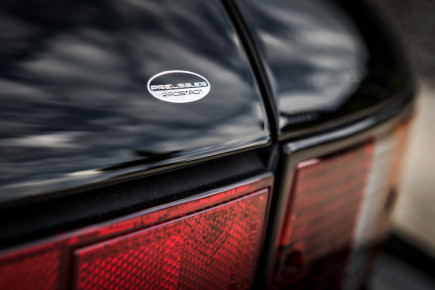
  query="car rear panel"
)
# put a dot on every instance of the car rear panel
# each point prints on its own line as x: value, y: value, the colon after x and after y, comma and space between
x: 284, y: 175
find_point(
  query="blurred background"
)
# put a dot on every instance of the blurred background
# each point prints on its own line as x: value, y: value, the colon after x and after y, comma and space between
x: 409, y: 261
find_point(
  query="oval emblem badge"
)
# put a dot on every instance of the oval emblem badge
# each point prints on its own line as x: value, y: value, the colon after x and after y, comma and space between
x: 178, y: 86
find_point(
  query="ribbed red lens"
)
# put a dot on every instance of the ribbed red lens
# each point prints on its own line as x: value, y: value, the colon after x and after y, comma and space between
x: 207, y: 241
x: 213, y: 249
x: 321, y: 216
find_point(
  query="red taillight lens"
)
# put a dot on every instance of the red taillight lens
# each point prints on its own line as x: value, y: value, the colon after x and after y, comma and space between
x: 208, y: 241
x: 318, y: 229
x: 34, y: 269
x: 216, y: 248
x: 337, y: 212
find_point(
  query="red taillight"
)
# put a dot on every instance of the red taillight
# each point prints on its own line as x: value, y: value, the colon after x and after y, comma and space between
x: 318, y: 229
x: 208, y: 241
x: 216, y: 248
x: 335, y: 213
x: 34, y: 269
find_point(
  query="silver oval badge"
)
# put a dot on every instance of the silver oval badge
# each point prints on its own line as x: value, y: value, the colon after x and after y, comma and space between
x: 178, y: 86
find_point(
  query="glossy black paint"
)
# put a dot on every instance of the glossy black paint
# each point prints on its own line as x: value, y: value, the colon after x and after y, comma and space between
x: 75, y: 109
x: 325, y: 63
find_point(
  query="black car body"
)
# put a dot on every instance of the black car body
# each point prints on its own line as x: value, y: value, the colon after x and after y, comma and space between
x: 84, y: 144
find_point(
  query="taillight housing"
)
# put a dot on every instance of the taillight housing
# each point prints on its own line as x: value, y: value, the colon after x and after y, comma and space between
x: 329, y: 215
x: 210, y: 240
x: 334, y: 200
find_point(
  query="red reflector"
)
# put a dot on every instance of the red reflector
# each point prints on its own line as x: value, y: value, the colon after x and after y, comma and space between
x: 212, y: 240
x: 35, y: 270
x: 215, y: 249
x: 321, y: 217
